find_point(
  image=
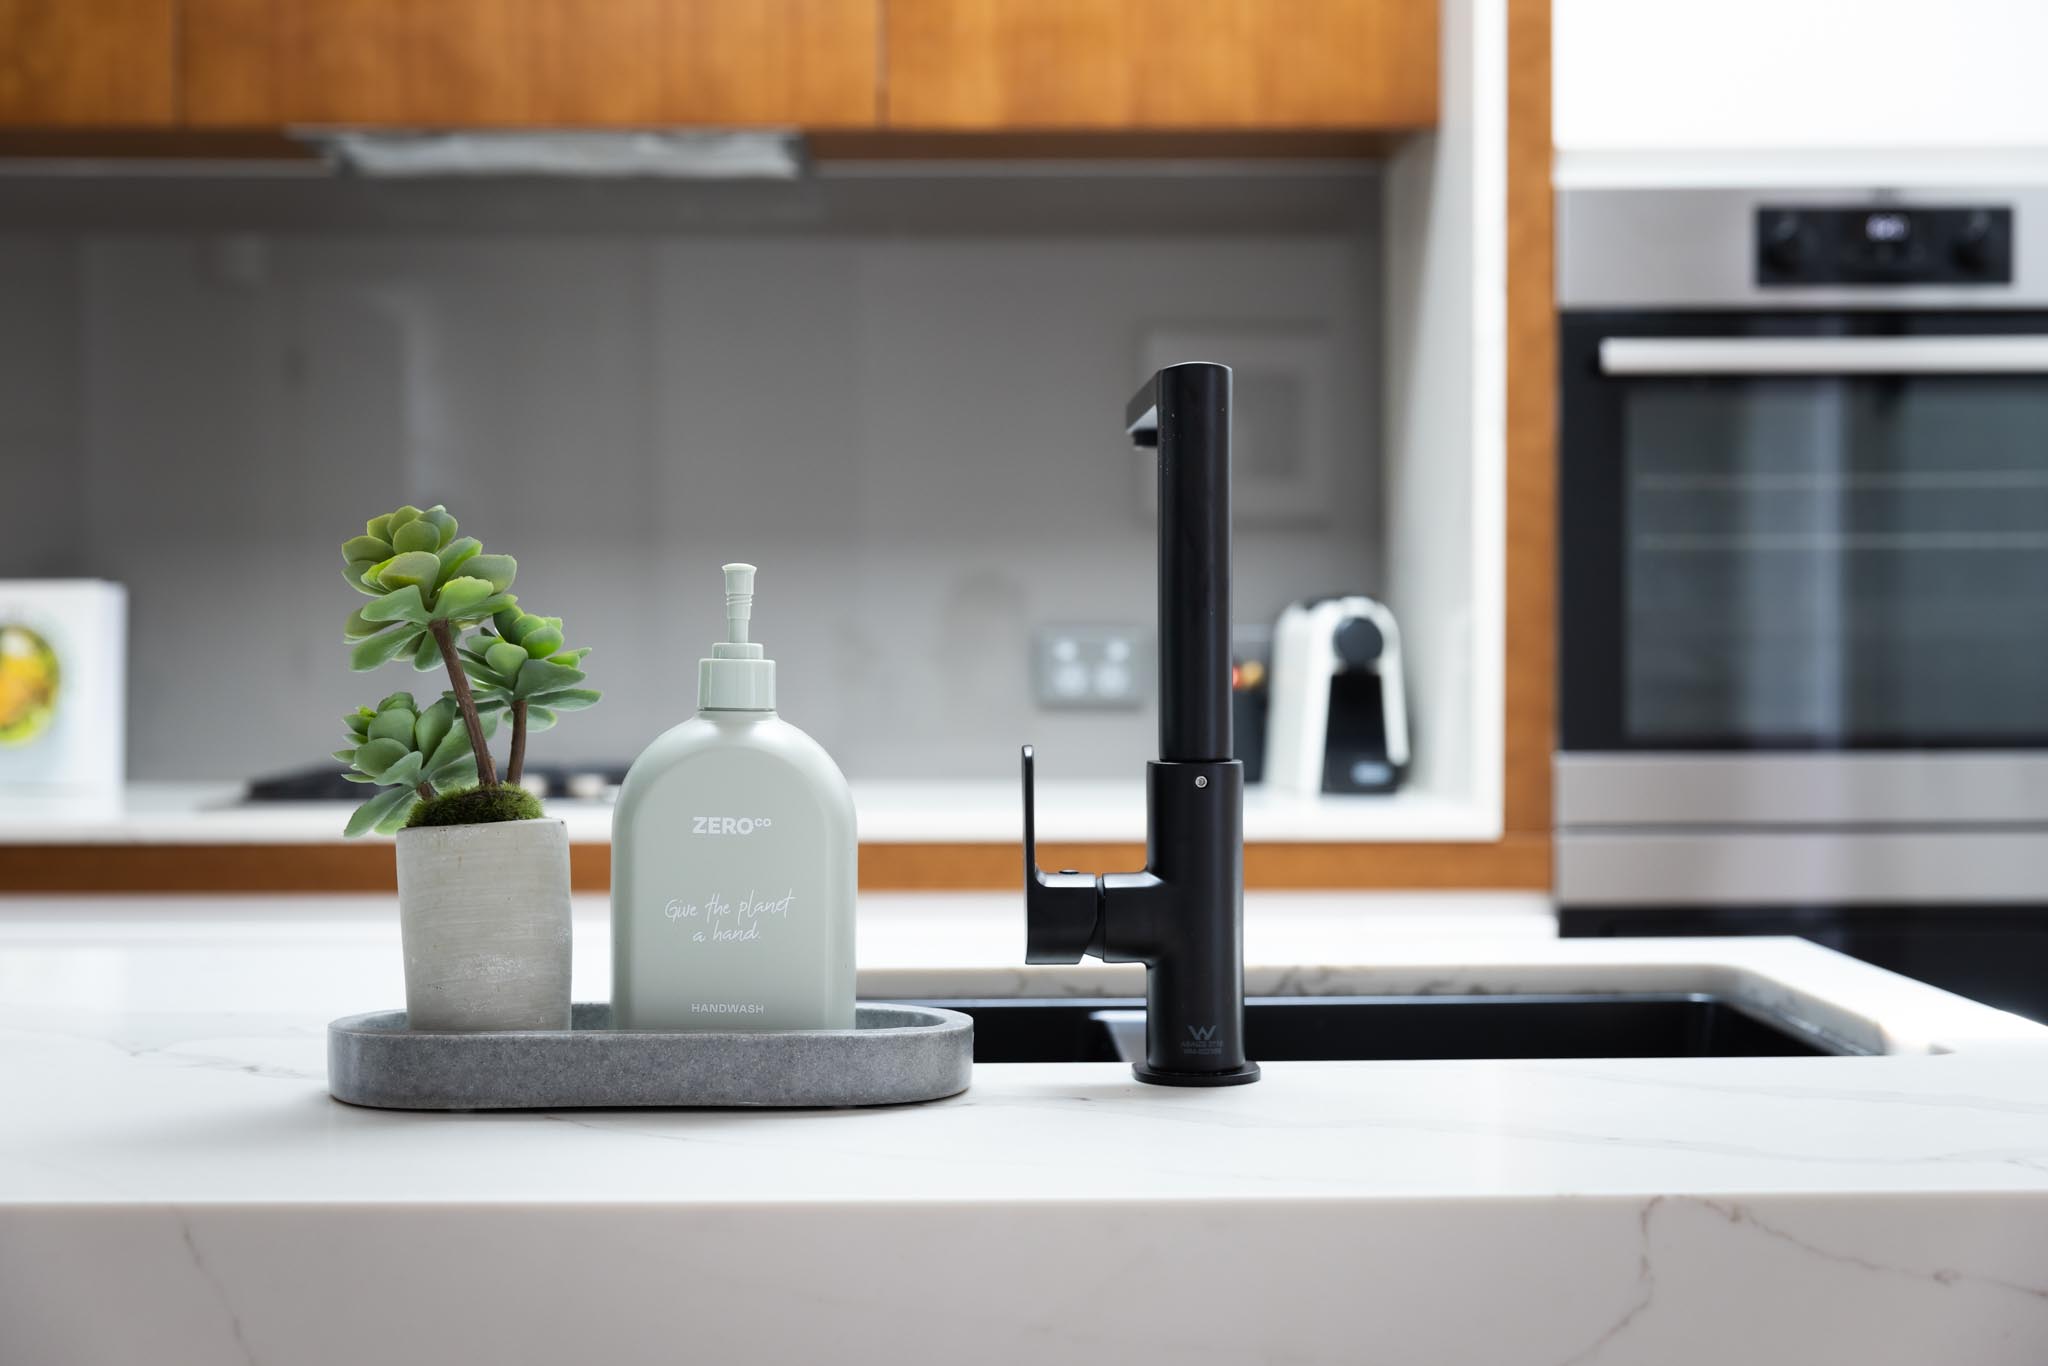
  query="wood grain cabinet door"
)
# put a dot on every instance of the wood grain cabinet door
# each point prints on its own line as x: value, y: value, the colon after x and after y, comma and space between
x: 530, y: 63
x: 1161, y: 64
x: 88, y: 63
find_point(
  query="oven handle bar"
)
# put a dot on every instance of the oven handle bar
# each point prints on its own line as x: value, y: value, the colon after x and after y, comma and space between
x: 1996, y: 355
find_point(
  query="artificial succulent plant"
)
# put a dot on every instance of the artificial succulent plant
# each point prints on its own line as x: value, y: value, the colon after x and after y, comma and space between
x: 415, y: 753
x: 429, y: 586
x: 519, y: 665
x: 427, y: 582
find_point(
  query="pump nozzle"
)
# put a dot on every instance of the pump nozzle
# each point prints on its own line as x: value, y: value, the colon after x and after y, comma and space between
x: 739, y: 602
x: 736, y: 677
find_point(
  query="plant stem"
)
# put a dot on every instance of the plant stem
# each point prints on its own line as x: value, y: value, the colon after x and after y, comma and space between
x: 426, y: 790
x: 486, y: 771
x: 515, y: 764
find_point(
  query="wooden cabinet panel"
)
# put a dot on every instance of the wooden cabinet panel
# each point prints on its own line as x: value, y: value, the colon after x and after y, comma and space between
x: 1159, y: 64
x: 1531, y: 729
x: 528, y: 63
x: 85, y: 63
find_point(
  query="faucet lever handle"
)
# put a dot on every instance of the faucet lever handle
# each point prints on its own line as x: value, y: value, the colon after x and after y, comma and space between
x: 1063, y: 910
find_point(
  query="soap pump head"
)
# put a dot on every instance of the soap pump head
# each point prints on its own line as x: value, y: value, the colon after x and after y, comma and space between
x: 736, y: 677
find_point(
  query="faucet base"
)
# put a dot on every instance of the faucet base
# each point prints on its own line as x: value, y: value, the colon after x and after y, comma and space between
x: 1154, y: 1076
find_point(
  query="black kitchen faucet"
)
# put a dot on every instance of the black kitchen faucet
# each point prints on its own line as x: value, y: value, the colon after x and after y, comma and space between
x: 1183, y: 916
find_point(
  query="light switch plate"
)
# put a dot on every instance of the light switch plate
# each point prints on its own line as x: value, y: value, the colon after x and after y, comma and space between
x: 1091, y: 667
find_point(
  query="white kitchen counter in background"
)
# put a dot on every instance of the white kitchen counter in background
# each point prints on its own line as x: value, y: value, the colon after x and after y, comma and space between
x: 175, y: 1185
x: 891, y: 812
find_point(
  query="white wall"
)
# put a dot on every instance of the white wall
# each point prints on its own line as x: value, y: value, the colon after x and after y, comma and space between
x: 1445, y: 422
x: 1878, y: 75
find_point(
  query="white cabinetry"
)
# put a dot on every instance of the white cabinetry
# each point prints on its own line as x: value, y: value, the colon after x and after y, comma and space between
x: 1793, y: 75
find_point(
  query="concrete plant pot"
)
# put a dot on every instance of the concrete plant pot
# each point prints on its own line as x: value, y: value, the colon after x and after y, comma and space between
x: 484, y: 910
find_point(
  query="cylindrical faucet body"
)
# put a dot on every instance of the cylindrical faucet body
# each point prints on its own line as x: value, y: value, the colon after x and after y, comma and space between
x: 1194, y: 563
x: 1194, y: 984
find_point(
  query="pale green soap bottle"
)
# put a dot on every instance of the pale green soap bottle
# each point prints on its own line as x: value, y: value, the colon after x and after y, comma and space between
x: 733, y: 861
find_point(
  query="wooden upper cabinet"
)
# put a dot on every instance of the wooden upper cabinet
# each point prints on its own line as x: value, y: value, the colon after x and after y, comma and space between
x: 530, y: 63
x: 88, y: 63
x: 986, y: 65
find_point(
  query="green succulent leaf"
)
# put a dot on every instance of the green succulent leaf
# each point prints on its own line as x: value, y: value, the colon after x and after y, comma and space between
x: 539, y: 676
x: 460, y: 597
x: 409, y: 567
x: 568, y: 699
x: 497, y: 570
x: 450, y: 748
x: 379, y: 648
x: 357, y: 778
x: 571, y: 658
x: 443, y: 522
x: 379, y: 527
x: 356, y: 572
x: 521, y: 625
x: 455, y: 744
x: 358, y: 721
x: 347, y: 756
x: 374, y: 812
x: 404, y: 604
x: 406, y: 772
x: 426, y: 656
x: 458, y: 772
x: 371, y: 548
x: 360, y: 627
x: 408, y: 513
x: 505, y: 659
x: 399, y: 699
x: 419, y: 535
x: 542, y: 643
x: 395, y: 724
x: 434, y: 725
x: 539, y: 719
x: 505, y: 621
x: 457, y: 553
x: 397, y: 820
x: 377, y: 756
x: 488, y: 606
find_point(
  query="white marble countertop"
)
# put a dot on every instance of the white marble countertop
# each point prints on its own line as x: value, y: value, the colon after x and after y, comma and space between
x: 892, y: 811
x: 167, y: 1147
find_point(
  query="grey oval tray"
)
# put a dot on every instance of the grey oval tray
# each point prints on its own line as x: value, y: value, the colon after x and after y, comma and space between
x: 893, y: 1054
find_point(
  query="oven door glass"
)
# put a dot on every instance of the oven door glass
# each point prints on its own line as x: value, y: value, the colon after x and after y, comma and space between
x: 1813, y: 531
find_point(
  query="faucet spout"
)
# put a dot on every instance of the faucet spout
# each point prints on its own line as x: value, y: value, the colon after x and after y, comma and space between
x: 1183, y: 915
x: 1184, y: 411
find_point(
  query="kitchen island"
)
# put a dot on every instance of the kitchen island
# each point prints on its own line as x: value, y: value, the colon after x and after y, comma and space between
x: 176, y: 1185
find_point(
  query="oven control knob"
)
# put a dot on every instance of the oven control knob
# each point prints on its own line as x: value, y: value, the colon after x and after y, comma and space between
x: 1972, y: 247
x: 1784, y: 245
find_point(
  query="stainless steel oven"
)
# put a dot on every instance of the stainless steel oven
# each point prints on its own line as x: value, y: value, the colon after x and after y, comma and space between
x: 1804, y: 566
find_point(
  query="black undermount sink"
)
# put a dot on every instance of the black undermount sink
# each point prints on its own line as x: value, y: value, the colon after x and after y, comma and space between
x: 1335, y: 1028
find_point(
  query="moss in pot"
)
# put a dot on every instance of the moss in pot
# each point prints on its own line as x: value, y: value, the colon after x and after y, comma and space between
x: 483, y: 875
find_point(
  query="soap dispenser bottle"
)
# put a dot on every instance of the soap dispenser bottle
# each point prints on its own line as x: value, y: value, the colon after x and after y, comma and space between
x: 733, y: 861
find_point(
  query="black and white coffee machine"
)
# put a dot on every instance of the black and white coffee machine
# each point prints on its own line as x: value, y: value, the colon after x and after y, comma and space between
x: 1338, y: 715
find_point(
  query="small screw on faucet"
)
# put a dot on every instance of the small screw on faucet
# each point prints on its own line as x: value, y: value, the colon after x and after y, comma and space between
x: 1201, y: 781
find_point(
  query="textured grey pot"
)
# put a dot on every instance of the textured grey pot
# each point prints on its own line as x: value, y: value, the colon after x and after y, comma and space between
x: 484, y: 910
